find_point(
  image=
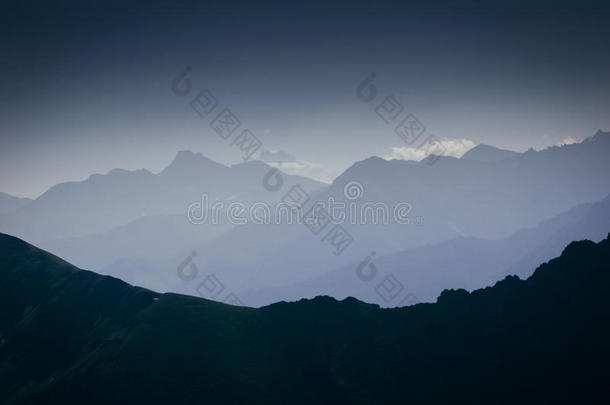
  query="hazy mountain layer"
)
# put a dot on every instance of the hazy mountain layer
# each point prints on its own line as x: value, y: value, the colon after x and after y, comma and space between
x: 463, y: 262
x: 487, y: 194
x: 104, y: 202
x: 72, y: 336
x: 9, y: 204
x: 479, y: 197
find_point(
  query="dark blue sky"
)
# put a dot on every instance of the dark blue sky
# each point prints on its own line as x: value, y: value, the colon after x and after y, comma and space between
x: 86, y: 85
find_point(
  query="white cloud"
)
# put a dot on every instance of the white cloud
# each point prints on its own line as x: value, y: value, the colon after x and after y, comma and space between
x: 276, y: 156
x: 449, y: 147
x: 289, y: 164
x: 549, y: 142
x: 567, y: 141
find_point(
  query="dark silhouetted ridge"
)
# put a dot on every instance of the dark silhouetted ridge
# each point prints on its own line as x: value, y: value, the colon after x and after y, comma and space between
x: 72, y: 336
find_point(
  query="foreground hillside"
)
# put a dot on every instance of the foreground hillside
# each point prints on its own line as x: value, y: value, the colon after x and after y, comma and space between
x: 72, y: 336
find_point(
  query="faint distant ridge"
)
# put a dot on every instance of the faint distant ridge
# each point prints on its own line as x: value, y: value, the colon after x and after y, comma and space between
x: 487, y: 153
x: 187, y: 162
x: 67, y: 333
x: 600, y: 136
x: 9, y: 203
x: 105, y: 201
x: 464, y: 261
x: 531, y: 186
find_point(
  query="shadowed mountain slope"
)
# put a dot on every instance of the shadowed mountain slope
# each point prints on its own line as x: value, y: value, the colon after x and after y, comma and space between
x: 70, y: 336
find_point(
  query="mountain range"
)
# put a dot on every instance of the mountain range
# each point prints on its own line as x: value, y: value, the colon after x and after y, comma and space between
x: 133, y: 224
x: 72, y: 336
x: 104, y: 202
x: 463, y: 262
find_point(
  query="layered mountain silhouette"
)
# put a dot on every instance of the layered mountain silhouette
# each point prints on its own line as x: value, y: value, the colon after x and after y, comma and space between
x: 9, y: 204
x: 104, y: 202
x: 464, y: 262
x: 488, y: 193
x: 483, y: 199
x: 72, y: 336
x: 489, y: 154
x: 140, y: 218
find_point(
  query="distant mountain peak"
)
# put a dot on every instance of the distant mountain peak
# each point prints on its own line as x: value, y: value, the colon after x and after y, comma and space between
x: 368, y: 165
x: 599, y: 136
x: 488, y: 153
x: 189, y: 156
x: 191, y: 161
x: 375, y: 159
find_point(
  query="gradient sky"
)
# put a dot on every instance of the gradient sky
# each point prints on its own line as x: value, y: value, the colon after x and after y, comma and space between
x: 86, y: 85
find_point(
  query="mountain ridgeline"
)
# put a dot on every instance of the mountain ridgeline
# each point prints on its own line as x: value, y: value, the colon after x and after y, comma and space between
x: 464, y: 262
x: 72, y: 336
x: 140, y: 218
